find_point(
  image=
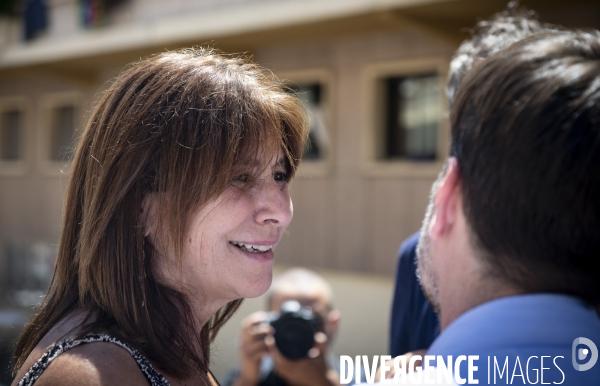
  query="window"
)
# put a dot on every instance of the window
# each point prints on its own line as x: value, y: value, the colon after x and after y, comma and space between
x: 311, y: 96
x: 314, y: 88
x: 412, y: 117
x: 404, y: 132
x: 11, y: 135
x: 61, y: 117
x: 95, y: 13
x: 62, y: 132
x: 35, y: 18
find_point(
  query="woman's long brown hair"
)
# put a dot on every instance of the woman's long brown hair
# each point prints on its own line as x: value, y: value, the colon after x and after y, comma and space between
x: 180, y: 123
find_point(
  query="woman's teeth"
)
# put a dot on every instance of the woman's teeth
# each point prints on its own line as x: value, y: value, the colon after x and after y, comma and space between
x: 252, y: 248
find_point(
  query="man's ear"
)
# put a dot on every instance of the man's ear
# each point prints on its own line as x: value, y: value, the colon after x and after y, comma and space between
x: 149, y: 214
x: 447, y: 201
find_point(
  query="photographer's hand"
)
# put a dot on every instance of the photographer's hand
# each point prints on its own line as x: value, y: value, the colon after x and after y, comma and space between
x: 252, y: 348
x: 311, y: 371
x: 390, y: 363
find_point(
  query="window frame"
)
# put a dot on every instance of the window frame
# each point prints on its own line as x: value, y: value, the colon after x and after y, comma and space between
x: 48, y: 103
x: 21, y: 166
x: 324, y: 166
x: 373, y: 126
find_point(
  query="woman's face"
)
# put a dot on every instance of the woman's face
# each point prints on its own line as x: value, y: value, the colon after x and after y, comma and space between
x: 228, y: 252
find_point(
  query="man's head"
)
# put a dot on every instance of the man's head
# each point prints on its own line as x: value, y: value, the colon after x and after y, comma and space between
x: 309, y: 289
x: 490, y: 36
x: 522, y: 187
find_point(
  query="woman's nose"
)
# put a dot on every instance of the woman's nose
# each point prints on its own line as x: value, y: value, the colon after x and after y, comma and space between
x: 273, y: 204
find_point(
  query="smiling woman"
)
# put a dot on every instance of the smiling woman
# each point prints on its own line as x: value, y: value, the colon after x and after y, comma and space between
x: 177, y: 196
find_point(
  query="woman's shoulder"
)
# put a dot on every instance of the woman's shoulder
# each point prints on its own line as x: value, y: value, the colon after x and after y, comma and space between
x: 91, y: 360
x: 93, y: 363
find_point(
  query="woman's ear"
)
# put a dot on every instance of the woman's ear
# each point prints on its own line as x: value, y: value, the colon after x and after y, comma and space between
x: 149, y: 214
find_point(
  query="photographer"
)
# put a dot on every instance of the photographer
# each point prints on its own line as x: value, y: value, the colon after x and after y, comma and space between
x: 262, y: 362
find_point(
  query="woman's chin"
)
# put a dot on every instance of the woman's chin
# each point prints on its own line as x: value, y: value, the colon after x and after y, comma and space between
x: 260, y: 285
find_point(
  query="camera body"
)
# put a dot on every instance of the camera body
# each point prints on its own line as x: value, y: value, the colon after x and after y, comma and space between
x: 295, y: 327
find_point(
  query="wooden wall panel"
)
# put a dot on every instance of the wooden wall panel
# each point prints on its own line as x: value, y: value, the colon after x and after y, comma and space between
x: 397, y: 212
x: 308, y: 240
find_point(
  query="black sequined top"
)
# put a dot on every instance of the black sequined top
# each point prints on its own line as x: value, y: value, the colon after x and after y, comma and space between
x: 153, y: 376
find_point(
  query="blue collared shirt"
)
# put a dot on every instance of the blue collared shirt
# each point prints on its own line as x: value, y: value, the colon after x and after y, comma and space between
x: 512, y: 334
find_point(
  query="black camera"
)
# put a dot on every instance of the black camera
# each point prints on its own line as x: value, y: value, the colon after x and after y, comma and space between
x: 295, y: 328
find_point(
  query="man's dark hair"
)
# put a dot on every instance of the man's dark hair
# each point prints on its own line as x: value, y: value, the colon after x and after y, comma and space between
x: 489, y: 37
x: 526, y: 134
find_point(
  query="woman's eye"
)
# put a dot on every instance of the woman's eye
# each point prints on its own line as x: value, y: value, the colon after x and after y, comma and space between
x: 281, y: 176
x: 241, y: 179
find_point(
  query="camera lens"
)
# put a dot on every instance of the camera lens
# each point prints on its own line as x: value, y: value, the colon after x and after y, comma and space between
x: 294, y: 330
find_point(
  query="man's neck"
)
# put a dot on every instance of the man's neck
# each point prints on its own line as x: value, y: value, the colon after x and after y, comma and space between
x: 470, y: 294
